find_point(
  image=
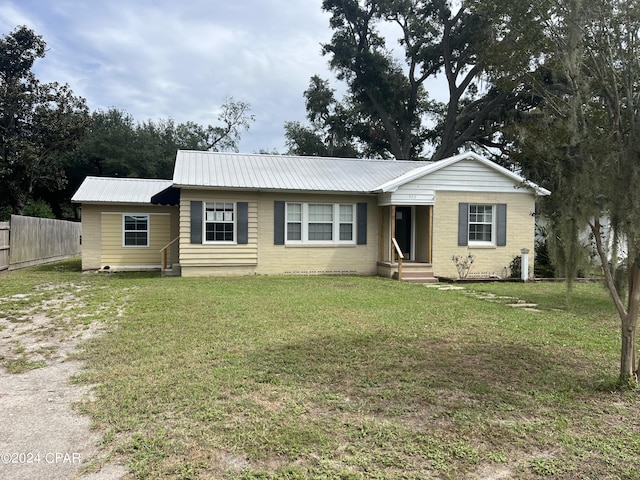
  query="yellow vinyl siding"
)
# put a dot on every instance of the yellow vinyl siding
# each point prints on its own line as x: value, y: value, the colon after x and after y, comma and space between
x: 215, y: 257
x: 91, y: 217
x: 489, y: 260
x: 112, y: 251
x: 232, y: 259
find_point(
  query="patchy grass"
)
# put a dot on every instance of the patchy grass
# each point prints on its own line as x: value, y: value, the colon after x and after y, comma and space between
x: 354, y: 378
x: 43, y: 309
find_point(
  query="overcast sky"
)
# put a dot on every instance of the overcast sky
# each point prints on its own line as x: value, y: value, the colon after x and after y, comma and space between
x: 181, y: 59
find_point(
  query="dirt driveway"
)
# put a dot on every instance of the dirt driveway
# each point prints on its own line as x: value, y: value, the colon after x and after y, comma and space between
x: 41, y: 434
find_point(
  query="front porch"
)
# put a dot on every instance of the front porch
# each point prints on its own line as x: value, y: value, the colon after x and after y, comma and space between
x: 406, y: 242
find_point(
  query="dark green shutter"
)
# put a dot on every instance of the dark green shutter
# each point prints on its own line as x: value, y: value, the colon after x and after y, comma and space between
x: 501, y: 225
x: 196, y: 222
x: 463, y: 224
x: 278, y: 222
x: 243, y: 223
x: 362, y: 224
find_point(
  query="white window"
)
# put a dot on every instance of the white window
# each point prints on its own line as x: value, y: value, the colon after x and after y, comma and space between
x: 481, y: 223
x: 346, y: 223
x: 320, y: 223
x: 219, y: 222
x: 294, y: 222
x: 320, y: 226
x: 135, y: 230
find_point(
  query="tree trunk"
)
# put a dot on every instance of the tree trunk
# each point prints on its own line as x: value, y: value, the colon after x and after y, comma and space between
x: 628, y: 368
x: 628, y: 372
x: 628, y: 315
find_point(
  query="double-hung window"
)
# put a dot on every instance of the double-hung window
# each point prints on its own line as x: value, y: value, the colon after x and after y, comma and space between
x: 346, y: 223
x: 135, y: 230
x: 294, y: 222
x: 481, y: 224
x: 320, y: 223
x: 219, y: 222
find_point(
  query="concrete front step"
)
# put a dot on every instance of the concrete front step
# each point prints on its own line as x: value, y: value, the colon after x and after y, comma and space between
x: 417, y: 273
x: 430, y: 279
x: 174, y: 271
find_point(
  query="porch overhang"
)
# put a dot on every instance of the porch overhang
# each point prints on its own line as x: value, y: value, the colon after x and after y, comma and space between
x: 406, y: 197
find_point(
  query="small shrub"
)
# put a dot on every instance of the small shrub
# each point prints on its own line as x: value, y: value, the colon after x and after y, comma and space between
x: 515, y: 267
x: 463, y: 264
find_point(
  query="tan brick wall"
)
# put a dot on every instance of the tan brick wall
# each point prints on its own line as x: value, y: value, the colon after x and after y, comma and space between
x: 316, y: 259
x: 488, y: 260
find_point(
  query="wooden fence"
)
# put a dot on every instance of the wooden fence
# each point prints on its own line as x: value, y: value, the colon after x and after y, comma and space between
x: 4, y: 245
x: 32, y: 241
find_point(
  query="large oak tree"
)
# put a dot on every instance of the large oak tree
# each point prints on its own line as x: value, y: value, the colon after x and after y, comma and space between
x: 482, y: 50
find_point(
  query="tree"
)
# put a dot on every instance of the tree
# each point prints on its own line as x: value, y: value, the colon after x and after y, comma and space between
x: 582, y: 142
x: 330, y: 131
x: 118, y: 146
x: 39, y: 122
x: 482, y: 48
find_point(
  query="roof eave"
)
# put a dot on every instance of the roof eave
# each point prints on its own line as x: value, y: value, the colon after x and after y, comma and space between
x: 111, y: 202
x: 274, y: 190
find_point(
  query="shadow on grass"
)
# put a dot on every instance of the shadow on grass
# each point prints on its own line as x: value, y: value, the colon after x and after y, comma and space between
x: 385, y: 373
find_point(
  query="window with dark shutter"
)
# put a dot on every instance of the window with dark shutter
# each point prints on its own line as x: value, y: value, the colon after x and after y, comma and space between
x: 482, y: 224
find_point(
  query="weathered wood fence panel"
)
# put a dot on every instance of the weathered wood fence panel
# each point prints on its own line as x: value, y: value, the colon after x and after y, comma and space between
x: 4, y: 245
x: 40, y: 240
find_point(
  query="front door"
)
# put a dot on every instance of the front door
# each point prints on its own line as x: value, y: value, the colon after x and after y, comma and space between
x: 403, y: 230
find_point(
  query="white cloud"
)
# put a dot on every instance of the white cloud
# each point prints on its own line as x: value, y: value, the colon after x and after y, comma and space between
x: 159, y: 59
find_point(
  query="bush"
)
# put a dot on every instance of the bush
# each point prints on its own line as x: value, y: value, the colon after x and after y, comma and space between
x: 38, y: 208
x: 515, y: 267
x: 463, y: 264
x: 543, y: 268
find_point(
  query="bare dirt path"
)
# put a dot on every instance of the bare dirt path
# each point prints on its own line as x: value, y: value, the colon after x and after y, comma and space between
x: 41, y: 435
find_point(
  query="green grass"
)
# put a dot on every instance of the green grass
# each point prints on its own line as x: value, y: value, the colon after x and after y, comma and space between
x: 352, y: 378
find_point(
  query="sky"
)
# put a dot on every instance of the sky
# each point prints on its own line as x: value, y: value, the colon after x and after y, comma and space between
x: 160, y: 59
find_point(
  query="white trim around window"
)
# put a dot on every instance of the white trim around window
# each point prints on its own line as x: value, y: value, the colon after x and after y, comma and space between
x: 320, y: 223
x: 482, y: 224
x: 219, y: 224
x: 135, y: 230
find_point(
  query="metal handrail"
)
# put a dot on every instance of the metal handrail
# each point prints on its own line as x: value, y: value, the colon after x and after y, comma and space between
x: 400, y: 257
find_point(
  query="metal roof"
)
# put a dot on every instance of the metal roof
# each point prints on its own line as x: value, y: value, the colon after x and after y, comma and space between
x: 119, y: 190
x: 285, y: 172
x: 223, y: 170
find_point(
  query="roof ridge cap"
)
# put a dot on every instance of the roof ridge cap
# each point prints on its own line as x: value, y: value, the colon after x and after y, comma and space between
x: 310, y: 157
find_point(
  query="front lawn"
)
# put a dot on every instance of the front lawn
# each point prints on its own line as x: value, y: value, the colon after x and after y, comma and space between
x: 356, y: 378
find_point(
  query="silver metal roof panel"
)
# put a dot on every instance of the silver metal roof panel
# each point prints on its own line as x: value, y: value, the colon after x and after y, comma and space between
x: 119, y: 190
x: 285, y: 172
